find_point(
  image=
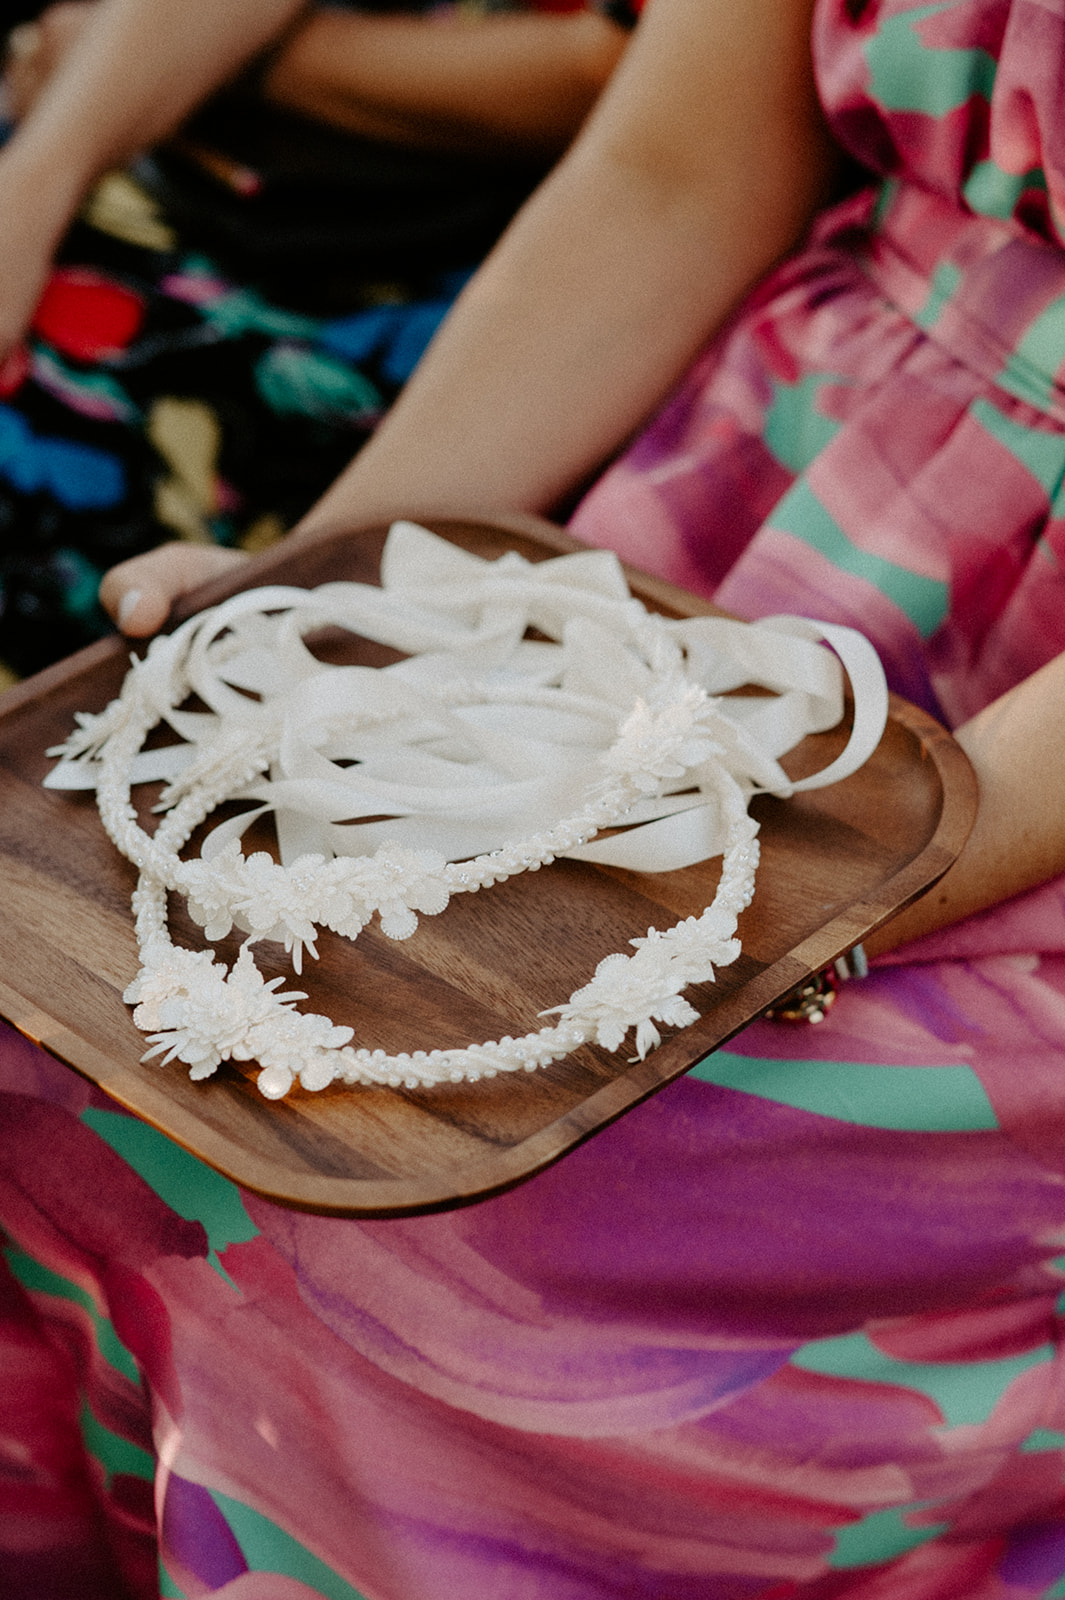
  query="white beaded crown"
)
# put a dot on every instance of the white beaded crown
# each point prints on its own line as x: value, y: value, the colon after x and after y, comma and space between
x: 609, y: 717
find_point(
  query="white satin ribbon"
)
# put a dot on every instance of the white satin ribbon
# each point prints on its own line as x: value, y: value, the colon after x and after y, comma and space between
x: 482, y: 735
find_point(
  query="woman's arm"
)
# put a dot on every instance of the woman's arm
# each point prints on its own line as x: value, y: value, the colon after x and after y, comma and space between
x: 448, y: 80
x: 445, y: 79
x: 130, y: 76
x: 1017, y: 748
x: 701, y: 165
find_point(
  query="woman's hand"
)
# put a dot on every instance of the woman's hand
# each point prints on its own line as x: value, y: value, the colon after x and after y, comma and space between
x: 1017, y: 749
x: 139, y: 593
x: 35, y: 50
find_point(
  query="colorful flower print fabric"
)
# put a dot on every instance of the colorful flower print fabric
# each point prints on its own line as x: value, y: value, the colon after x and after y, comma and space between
x: 156, y: 399
x: 791, y: 1329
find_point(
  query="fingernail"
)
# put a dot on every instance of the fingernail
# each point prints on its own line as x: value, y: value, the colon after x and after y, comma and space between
x: 128, y: 605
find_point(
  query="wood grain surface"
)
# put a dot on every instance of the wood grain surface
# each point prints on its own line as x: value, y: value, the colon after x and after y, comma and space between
x: 835, y: 864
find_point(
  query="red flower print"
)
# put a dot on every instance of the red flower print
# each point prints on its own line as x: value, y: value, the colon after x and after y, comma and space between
x: 85, y: 315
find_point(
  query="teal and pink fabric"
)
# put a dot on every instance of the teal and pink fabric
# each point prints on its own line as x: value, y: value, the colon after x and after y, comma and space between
x: 791, y: 1330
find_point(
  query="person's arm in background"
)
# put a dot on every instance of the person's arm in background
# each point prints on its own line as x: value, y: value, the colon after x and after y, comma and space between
x: 523, y: 80
x: 445, y: 79
x: 129, y: 77
x: 94, y: 81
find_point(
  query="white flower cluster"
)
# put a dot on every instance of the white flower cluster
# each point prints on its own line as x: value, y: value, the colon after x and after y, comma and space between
x: 666, y: 739
x: 198, y: 1011
x: 265, y: 900
x: 289, y: 904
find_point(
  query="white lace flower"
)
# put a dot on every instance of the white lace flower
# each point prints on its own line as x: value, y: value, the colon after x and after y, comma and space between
x: 628, y: 992
x: 209, y: 898
x: 91, y: 732
x: 167, y: 970
x: 153, y: 680
x: 403, y: 881
x: 694, y: 941
x: 207, y: 1014
x: 298, y: 1045
x: 273, y: 903
x: 663, y: 740
x: 337, y: 907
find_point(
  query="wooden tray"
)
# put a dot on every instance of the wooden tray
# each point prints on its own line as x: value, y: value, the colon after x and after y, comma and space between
x: 835, y: 864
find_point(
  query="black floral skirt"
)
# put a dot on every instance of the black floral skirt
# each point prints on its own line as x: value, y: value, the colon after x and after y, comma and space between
x: 155, y: 399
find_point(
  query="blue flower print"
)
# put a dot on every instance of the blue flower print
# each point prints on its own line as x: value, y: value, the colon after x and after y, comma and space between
x: 77, y: 475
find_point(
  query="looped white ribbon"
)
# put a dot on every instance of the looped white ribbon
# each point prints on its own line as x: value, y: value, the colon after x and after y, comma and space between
x: 481, y: 735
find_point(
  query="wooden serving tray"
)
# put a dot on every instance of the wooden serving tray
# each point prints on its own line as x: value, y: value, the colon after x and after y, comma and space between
x: 835, y: 864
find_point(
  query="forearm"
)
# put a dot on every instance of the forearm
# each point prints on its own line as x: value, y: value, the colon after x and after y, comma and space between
x: 135, y: 70
x: 527, y: 80
x: 1017, y: 748
x: 662, y: 216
